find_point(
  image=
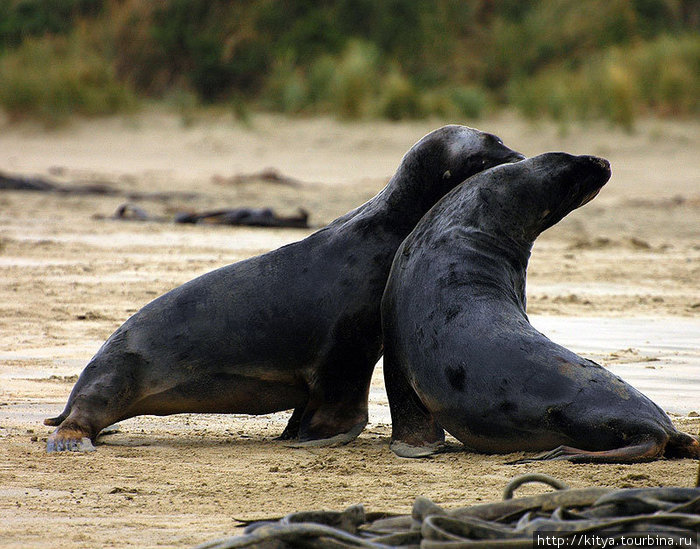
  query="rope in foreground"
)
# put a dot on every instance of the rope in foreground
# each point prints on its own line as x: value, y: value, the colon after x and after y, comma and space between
x: 632, y: 513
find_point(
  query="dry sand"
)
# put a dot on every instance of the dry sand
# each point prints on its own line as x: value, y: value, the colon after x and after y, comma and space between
x: 624, y: 266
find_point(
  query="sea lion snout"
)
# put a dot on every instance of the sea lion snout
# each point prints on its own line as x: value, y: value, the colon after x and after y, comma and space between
x: 597, y: 174
x: 600, y: 165
x: 604, y: 163
x: 600, y: 161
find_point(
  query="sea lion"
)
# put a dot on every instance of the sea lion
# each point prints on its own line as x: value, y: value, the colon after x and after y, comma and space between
x: 252, y: 217
x: 460, y: 353
x: 298, y: 327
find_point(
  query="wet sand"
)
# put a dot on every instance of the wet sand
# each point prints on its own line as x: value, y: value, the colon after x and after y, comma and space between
x: 617, y: 281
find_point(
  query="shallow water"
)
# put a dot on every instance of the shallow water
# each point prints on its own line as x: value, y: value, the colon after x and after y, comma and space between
x: 658, y: 356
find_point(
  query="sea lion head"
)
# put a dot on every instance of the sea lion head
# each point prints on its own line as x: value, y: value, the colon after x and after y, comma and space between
x: 564, y: 183
x: 524, y: 199
x: 447, y: 156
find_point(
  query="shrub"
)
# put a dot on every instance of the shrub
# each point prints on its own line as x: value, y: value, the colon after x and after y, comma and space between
x: 286, y: 87
x: 662, y: 75
x: 354, y: 81
x: 619, y: 95
x: 20, y: 19
x: 470, y: 101
x: 320, y: 81
x: 668, y: 69
x: 399, y: 98
x: 51, y: 78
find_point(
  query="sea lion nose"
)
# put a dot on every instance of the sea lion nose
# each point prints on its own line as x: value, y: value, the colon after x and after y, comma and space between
x: 600, y: 163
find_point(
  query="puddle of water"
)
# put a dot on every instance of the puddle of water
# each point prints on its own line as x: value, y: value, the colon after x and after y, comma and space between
x: 655, y: 336
x: 597, y: 289
x: 673, y: 383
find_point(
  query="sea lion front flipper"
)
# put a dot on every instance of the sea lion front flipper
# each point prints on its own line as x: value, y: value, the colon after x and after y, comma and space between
x: 335, y: 440
x: 291, y: 431
x: 414, y: 431
x: 69, y: 438
x: 643, y: 451
x: 405, y: 450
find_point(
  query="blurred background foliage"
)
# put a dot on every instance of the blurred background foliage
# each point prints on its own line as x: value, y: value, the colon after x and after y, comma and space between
x: 395, y: 59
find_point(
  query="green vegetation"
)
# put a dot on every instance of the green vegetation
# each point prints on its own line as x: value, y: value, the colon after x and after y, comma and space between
x: 563, y: 59
x: 661, y: 75
x: 52, y: 78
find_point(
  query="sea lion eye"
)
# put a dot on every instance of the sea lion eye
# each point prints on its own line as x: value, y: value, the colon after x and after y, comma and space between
x: 447, y: 174
x: 492, y: 139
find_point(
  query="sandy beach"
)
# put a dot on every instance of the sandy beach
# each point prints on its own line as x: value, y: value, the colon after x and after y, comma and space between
x: 617, y: 281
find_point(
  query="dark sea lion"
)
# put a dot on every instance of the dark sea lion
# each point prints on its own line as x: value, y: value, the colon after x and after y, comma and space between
x: 460, y: 353
x: 298, y: 327
x: 252, y: 217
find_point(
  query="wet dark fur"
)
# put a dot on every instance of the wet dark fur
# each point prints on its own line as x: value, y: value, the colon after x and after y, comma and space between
x: 460, y: 353
x: 298, y: 327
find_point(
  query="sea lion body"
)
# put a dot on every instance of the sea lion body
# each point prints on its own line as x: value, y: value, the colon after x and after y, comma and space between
x: 298, y: 327
x: 460, y: 353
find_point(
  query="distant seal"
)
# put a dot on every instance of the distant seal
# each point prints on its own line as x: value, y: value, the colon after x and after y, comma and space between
x: 460, y: 353
x: 252, y: 217
x: 298, y: 327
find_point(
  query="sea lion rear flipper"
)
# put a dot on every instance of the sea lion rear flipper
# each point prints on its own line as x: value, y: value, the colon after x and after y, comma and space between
x: 643, y: 451
x: 84, y: 444
x: 405, y: 450
x: 70, y: 437
x: 683, y: 445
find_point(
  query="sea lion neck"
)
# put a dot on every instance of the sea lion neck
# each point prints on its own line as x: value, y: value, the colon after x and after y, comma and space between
x: 517, y: 252
x: 410, y: 193
x: 495, y: 261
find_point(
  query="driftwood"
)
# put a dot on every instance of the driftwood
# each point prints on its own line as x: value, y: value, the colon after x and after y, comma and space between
x: 37, y: 184
x: 268, y: 175
x: 251, y: 217
x: 571, y: 517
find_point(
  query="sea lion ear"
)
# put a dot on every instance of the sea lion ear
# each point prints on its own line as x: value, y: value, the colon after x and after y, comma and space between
x: 447, y: 174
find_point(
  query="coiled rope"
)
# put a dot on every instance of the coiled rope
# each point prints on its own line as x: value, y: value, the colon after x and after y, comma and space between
x: 634, y: 513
